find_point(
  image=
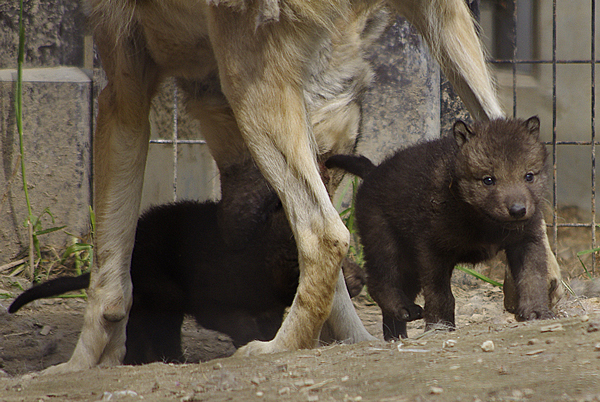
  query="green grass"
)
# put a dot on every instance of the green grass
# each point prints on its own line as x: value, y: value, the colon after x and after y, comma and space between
x: 478, y: 275
x: 80, y: 250
x: 585, y: 252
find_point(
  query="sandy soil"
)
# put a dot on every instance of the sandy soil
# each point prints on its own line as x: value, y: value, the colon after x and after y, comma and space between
x: 557, y: 360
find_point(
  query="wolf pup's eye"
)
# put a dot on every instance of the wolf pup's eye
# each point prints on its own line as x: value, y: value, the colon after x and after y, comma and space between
x: 529, y: 177
x: 489, y: 180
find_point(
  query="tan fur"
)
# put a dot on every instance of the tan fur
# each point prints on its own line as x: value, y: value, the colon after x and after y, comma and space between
x: 267, y: 80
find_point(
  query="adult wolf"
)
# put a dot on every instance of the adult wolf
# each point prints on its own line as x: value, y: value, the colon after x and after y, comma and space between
x: 278, y: 81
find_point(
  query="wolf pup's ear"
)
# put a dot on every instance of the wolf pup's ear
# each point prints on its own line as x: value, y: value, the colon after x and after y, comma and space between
x: 461, y: 132
x: 533, y: 125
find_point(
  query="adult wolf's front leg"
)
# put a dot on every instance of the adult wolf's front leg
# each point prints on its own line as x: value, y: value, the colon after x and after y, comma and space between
x: 261, y: 75
x: 120, y: 148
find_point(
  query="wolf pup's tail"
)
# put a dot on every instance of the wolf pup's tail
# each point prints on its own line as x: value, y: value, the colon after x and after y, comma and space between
x: 358, y: 165
x: 49, y: 288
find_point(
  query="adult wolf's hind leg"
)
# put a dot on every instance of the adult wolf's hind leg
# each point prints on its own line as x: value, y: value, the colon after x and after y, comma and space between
x: 344, y: 324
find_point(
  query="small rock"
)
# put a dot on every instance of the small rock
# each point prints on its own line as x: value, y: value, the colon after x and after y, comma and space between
x: 188, y: 398
x: 344, y: 378
x: 436, y: 390
x: 476, y: 318
x: 45, y: 330
x: 449, y: 343
x: 533, y: 341
x: 29, y: 376
x: 552, y: 328
x: 107, y: 396
x: 593, y: 327
x: 597, y: 347
x: 260, y: 394
x: 488, y: 346
x: 535, y: 352
x: 528, y: 393
x: 313, y: 398
x: 217, y: 366
x: 284, y: 391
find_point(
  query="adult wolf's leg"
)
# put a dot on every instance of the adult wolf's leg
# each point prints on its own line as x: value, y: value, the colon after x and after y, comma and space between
x: 120, y: 148
x: 261, y: 76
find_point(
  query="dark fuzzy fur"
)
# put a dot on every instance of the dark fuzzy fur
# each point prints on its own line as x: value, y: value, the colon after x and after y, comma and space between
x: 428, y: 208
x: 236, y: 281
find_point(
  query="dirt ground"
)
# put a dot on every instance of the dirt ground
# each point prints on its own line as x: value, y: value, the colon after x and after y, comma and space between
x: 557, y: 360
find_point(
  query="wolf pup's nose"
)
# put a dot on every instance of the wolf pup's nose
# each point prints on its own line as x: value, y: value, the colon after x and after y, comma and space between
x: 517, y: 211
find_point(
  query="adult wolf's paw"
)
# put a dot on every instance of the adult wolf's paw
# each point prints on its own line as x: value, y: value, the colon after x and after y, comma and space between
x: 259, y: 348
x: 63, y: 368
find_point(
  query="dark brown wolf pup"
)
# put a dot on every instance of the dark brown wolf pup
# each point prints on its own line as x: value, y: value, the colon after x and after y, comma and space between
x: 458, y: 199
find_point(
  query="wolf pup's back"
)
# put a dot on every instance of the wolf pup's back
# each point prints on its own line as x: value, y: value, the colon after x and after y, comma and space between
x: 458, y: 199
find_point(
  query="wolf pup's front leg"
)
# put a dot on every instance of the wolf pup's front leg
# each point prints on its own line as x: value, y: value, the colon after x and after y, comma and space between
x: 528, y: 263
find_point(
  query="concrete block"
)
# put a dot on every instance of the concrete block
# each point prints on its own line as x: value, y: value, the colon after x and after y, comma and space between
x: 54, y: 33
x: 403, y: 105
x: 57, y: 141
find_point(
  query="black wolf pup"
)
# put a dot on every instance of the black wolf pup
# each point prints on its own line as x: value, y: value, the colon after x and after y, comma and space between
x: 231, y: 264
x: 182, y: 265
x: 457, y: 199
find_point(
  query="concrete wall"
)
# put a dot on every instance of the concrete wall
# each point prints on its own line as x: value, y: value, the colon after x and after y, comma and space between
x: 59, y: 102
x: 57, y: 142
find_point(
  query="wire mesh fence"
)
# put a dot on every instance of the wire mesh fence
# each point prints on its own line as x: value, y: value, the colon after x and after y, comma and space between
x: 548, y: 55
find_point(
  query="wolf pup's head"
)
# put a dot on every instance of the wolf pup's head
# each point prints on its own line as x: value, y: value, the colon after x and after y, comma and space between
x: 500, y: 168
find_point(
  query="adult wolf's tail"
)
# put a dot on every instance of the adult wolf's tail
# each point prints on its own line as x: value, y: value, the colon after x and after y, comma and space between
x: 358, y: 165
x: 50, y: 288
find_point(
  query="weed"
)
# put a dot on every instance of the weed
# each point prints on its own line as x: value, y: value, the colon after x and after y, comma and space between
x: 585, y: 252
x: 80, y: 250
x: 348, y: 216
x: 478, y: 275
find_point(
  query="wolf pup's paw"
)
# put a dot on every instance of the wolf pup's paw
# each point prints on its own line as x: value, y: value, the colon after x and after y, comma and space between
x: 411, y: 313
x: 525, y: 314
